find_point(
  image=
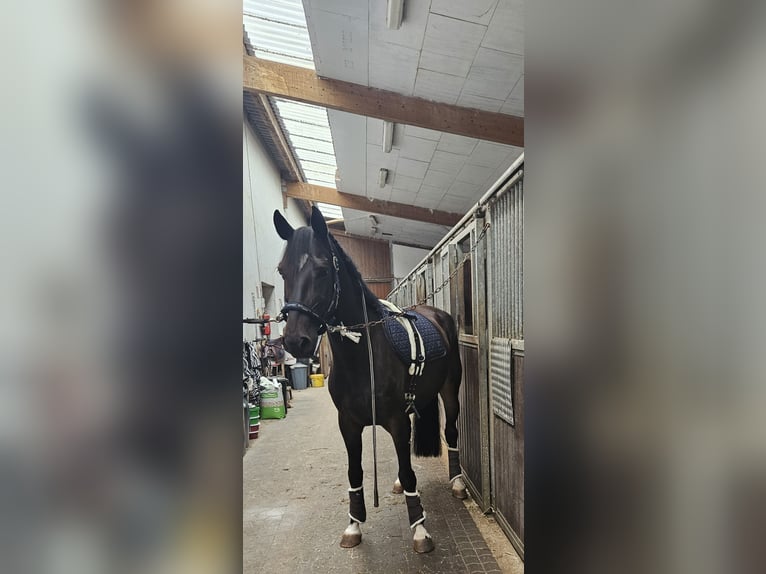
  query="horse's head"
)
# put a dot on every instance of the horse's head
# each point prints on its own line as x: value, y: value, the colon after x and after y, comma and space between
x: 309, y: 268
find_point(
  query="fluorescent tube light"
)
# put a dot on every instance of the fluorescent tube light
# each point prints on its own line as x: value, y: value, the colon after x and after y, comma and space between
x: 394, y: 14
x: 388, y: 136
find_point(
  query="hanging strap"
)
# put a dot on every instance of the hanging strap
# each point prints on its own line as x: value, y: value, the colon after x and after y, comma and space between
x: 372, y: 394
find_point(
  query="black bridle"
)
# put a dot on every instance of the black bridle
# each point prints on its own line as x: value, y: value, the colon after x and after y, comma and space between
x: 328, y: 316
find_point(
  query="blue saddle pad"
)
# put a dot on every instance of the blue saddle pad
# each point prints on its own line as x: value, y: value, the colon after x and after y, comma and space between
x: 400, y: 341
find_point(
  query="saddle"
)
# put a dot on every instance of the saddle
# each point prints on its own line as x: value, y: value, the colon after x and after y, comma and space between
x: 414, y: 338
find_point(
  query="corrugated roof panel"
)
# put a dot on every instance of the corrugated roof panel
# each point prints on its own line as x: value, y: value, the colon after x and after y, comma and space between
x: 301, y: 112
x: 282, y: 10
x: 331, y: 211
x: 301, y: 142
x: 309, y: 155
x: 318, y: 179
x: 283, y: 59
x: 307, y: 130
x: 328, y: 168
x: 276, y: 30
x: 278, y: 38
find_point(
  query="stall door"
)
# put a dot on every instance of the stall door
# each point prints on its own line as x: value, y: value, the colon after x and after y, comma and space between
x: 468, y: 300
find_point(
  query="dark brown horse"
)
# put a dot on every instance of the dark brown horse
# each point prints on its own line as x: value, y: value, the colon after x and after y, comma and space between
x: 324, y: 290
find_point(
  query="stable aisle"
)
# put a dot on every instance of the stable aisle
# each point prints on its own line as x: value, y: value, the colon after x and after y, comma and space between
x: 295, y: 505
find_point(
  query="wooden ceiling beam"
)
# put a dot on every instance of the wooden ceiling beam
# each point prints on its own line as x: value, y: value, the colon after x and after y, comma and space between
x: 342, y: 232
x: 296, y: 83
x: 318, y: 193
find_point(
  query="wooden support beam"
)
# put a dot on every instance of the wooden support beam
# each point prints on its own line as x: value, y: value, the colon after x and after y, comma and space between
x: 296, y: 83
x: 280, y: 137
x: 332, y: 196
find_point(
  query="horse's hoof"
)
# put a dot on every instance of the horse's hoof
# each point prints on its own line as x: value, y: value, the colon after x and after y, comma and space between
x: 398, y: 488
x: 350, y: 540
x: 352, y: 536
x: 460, y: 493
x: 423, y: 545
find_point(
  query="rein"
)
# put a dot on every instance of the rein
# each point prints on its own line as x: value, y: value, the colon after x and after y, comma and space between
x: 372, y: 394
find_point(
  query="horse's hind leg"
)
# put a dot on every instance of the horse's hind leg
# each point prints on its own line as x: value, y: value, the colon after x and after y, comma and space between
x: 449, y: 394
x: 352, y: 436
x: 400, y: 430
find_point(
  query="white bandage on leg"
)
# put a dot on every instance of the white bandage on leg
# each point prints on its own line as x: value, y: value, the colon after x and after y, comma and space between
x: 419, y: 521
x: 420, y: 533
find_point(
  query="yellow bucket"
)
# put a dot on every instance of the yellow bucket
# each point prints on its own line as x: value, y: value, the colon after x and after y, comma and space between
x: 317, y: 380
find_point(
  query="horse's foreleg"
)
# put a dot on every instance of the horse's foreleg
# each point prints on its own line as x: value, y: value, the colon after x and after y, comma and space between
x: 449, y: 396
x: 357, y: 512
x: 400, y: 431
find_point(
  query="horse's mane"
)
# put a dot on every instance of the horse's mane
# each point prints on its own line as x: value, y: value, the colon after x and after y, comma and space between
x: 369, y: 296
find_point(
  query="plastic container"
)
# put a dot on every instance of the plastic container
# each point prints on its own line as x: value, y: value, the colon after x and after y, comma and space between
x: 272, y: 401
x: 317, y: 380
x: 300, y: 376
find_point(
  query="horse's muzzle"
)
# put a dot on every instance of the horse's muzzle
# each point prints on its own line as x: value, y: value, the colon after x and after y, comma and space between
x: 300, y: 346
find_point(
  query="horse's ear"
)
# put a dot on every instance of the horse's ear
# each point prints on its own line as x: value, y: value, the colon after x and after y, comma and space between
x: 284, y: 229
x: 318, y: 224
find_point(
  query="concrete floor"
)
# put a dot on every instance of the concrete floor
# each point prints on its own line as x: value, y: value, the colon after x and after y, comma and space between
x: 295, y: 505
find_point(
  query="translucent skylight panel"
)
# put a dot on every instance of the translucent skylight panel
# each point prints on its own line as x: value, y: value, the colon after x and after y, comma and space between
x: 320, y: 167
x: 276, y: 30
x: 325, y: 178
x: 331, y: 211
x: 307, y: 155
x: 290, y: 11
x: 307, y: 130
x: 301, y: 112
x: 322, y: 146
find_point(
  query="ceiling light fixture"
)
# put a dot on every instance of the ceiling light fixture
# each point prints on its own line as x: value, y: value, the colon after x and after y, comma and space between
x: 388, y: 136
x: 383, y: 177
x: 394, y: 14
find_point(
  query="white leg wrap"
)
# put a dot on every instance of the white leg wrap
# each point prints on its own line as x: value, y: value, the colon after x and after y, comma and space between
x: 357, y: 489
x: 454, y: 478
x: 420, y: 533
x: 416, y: 493
x: 419, y: 523
x: 353, y: 528
x: 356, y: 520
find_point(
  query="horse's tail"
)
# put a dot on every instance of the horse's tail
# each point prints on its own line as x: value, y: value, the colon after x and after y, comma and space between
x: 427, y: 436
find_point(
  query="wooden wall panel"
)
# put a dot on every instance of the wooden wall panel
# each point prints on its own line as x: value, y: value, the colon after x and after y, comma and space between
x: 381, y: 290
x: 373, y: 259
x: 325, y: 356
x: 469, y: 422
